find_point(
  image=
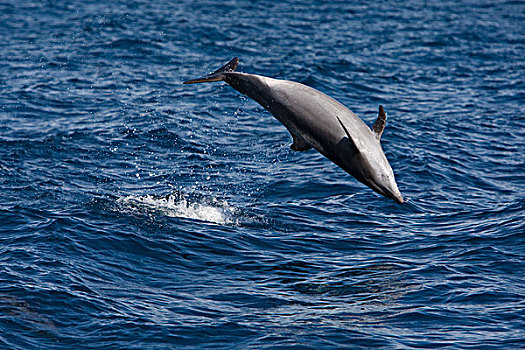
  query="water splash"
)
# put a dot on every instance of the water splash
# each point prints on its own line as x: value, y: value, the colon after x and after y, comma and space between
x: 183, y: 206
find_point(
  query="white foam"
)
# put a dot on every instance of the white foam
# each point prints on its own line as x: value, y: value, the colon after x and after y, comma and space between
x: 219, y: 212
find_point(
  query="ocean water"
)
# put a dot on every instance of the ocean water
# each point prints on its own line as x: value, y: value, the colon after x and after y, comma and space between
x: 138, y: 213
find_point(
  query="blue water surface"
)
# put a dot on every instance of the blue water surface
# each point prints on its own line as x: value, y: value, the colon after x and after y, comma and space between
x: 140, y: 213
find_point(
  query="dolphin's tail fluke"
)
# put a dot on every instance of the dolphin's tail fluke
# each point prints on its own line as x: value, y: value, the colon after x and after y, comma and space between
x: 218, y: 74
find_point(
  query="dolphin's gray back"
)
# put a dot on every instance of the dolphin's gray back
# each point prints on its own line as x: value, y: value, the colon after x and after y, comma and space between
x: 300, y: 107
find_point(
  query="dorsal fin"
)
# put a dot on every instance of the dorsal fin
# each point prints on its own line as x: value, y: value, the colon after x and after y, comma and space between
x: 379, y: 125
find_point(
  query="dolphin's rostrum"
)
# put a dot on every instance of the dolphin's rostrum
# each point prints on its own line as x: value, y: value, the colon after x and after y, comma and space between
x: 316, y: 120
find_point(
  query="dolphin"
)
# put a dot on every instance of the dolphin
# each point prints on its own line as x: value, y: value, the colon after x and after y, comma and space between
x: 316, y: 120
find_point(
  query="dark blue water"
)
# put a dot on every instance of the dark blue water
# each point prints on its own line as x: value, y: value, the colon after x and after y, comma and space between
x: 139, y: 213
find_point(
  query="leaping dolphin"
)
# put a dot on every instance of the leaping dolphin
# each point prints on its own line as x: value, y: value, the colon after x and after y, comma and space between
x: 316, y: 120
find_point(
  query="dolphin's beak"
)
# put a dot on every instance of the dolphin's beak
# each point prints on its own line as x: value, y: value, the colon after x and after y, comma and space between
x: 395, y: 195
x: 389, y: 192
x: 399, y: 199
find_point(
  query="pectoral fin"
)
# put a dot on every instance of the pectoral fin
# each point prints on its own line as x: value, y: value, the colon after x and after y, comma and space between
x: 300, y: 144
x: 348, y: 136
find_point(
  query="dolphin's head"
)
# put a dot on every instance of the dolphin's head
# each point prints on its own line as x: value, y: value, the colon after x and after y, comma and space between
x: 371, y: 168
x: 380, y: 177
x: 362, y: 156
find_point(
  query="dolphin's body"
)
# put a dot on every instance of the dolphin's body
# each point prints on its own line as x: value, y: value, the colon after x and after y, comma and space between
x: 316, y: 120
